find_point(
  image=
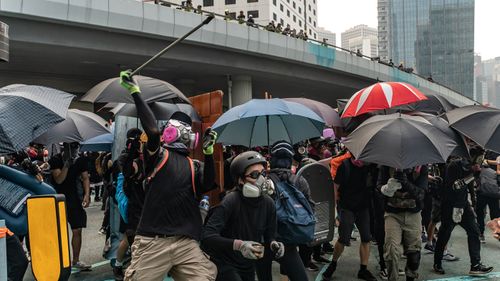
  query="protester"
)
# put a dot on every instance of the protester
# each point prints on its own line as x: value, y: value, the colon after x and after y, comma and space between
x: 241, y: 17
x: 250, y: 21
x: 17, y: 263
x: 456, y: 209
x: 170, y: 225
x: 290, y: 264
x: 355, y: 192
x: 404, y: 192
x: 485, y: 199
x: 237, y: 232
x: 271, y: 27
x: 69, y: 171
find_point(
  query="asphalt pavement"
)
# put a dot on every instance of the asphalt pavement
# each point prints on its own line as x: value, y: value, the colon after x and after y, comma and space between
x: 347, y: 268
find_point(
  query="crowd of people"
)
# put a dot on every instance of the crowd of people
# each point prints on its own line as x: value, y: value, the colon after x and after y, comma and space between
x: 158, y: 187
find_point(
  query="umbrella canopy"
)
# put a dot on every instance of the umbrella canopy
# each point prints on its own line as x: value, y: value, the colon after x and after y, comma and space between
x: 263, y: 122
x: 99, y: 143
x: 442, y: 125
x: 151, y: 90
x: 399, y: 141
x: 28, y: 111
x: 325, y: 111
x: 161, y: 110
x: 381, y: 96
x: 434, y: 104
x: 479, y: 123
x: 79, y: 126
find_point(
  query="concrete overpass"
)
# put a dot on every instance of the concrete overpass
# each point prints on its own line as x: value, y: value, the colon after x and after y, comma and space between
x: 74, y: 44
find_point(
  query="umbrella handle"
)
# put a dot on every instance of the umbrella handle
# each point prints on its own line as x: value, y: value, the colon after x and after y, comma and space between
x: 159, y: 54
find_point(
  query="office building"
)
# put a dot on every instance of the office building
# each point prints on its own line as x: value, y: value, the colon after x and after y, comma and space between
x: 362, y: 38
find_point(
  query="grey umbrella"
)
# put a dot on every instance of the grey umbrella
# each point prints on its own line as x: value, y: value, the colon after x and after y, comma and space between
x: 440, y: 123
x: 161, y: 110
x: 331, y: 117
x: 434, y: 104
x: 151, y: 89
x: 399, y: 141
x: 479, y: 123
x: 79, y: 126
x: 28, y: 111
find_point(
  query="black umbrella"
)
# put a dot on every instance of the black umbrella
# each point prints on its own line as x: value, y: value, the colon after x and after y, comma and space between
x: 161, y: 110
x: 79, y: 126
x: 440, y: 123
x: 28, y: 111
x: 399, y: 141
x: 479, y: 123
x: 151, y: 90
x: 434, y: 104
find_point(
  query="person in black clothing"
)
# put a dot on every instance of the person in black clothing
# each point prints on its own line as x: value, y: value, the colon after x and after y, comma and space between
x: 170, y: 224
x: 237, y: 231
x: 69, y: 172
x: 483, y: 200
x: 456, y: 209
x: 290, y: 264
x: 353, y: 182
x: 131, y: 166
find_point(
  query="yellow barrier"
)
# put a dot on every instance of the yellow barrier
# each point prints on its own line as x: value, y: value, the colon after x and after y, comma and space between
x: 48, y: 234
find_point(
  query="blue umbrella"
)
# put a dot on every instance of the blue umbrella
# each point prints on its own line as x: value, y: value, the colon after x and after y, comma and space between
x: 99, y: 143
x: 263, y: 122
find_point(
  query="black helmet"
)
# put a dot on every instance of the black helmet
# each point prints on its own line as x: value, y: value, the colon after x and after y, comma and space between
x: 241, y: 162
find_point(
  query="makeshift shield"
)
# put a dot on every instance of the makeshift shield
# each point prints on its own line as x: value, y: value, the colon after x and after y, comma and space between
x: 321, y: 186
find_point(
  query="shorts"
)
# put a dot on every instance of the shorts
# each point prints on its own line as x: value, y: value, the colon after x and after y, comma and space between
x: 436, y: 211
x: 77, y: 217
x: 347, y: 220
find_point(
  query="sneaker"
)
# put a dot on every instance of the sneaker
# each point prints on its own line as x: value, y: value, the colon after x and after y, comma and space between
x: 327, y: 248
x: 81, y: 266
x: 401, y: 272
x: 429, y: 248
x: 482, y: 239
x: 321, y: 259
x: 438, y: 269
x: 366, y: 275
x: 118, y: 273
x: 479, y: 269
x: 327, y: 275
x: 102, y: 231
x: 312, y: 267
x: 424, y: 237
x: 449, y: 257
x: 383, y: 274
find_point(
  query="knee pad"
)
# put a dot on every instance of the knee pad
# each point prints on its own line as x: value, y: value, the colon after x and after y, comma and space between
x: 413, y: 260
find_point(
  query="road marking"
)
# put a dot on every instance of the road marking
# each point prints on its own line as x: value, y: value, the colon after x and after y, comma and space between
x: 489, y: 276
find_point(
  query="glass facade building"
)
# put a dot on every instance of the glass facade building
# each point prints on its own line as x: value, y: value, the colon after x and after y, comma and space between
x: 434, y: 37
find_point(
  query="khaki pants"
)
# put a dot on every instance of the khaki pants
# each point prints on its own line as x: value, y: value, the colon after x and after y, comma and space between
x: 402, y: 229
x: 154, y: 257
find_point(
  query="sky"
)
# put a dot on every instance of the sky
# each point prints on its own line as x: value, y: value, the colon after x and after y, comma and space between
x: 340, y: 15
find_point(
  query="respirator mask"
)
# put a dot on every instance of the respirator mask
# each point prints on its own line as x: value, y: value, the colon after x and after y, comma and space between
x: 260, y: 187
x: 178, y: 131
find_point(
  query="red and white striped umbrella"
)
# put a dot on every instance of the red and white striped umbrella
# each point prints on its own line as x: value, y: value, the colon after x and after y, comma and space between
x: 380, y: 96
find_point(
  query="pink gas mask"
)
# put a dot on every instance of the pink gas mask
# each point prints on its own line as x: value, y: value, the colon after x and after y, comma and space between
x: 177, y: 131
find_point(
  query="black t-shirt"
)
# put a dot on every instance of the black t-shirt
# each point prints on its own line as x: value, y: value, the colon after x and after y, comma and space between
x: 171, y: 207
x: 354, y: 191
x: 237, y: 217
x: 69, y: 187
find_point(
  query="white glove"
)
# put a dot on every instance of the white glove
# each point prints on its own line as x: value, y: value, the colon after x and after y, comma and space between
x: 249, y: 249
x: 391, y: 187
x: 457, y: 214
x: 278, y: 248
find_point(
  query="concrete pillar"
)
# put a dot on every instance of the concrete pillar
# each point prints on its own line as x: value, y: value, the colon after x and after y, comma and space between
x: 241, y: 91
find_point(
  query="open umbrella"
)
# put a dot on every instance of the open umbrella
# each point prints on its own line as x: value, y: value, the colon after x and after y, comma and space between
x: 381, y: 96
x: 442, y: 125
x: 161, y: 110
x: 99, y: 143
x: 28, y: 111
x: 479, y: 123
x: 325, y: 111
x: 151, y: 90
x: 263, y: 122
x: 399, y: 141
x: 79, y: 126
x: 434, y: 104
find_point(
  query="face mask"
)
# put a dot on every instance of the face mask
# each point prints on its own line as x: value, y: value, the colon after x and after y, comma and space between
x: 176, y: 131
x: 254, y: 190
x: 357, y: 163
